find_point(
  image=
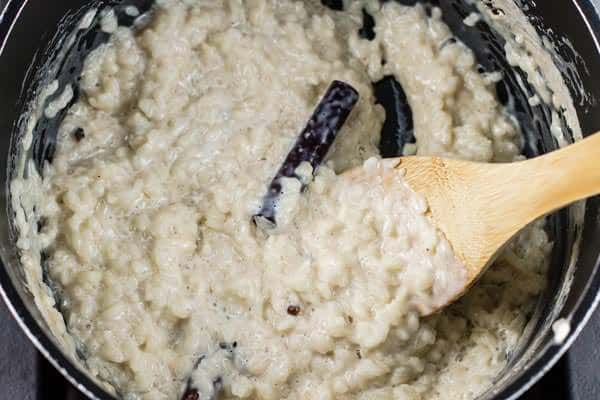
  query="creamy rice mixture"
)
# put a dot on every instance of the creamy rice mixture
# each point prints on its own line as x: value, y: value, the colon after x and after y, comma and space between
x: 162, y: 162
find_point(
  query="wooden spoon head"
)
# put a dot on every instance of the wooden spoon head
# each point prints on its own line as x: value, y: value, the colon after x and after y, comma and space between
x: 461, y: 199
x: 464, y: 201
x: 479, y: 207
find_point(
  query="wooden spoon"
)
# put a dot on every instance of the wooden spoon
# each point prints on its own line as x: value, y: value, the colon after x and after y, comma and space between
x: 480, y: 207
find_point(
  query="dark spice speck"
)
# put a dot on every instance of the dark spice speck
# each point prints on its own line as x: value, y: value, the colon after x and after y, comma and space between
x: 79, y: 134
x: 293, y: 310
x: 41, y: 224
x: 191, y: 394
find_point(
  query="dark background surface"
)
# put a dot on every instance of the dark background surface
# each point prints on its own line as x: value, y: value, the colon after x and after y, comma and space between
x: 25, y: 375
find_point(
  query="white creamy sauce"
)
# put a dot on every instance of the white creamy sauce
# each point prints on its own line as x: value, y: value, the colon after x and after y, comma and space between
x: 55, y: 106
x: 108, y: 21
x: 472, y: 19
x: 148, y: 215
x: 87, y: 19
x: 132, y: 11
x: 534, y: 100
x: 561, y: 329
x: 556, y: 130
x: 409, y: 149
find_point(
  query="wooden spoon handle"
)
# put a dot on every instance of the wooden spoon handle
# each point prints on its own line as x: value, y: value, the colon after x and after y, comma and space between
x: 479, y: 207
x: 563, y: 176
x: 530, y: 189
x: 510, y: 196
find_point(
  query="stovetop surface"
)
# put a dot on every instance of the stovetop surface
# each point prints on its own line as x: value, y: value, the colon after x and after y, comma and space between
x: 25, y: 375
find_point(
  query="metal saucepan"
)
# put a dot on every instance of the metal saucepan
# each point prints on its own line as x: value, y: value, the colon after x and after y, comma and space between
x: 28, y: 32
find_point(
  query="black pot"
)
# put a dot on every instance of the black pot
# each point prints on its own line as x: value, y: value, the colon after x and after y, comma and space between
x: 28, y: 33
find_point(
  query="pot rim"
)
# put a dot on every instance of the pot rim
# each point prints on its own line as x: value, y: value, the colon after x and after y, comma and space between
x: 548, y: 357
